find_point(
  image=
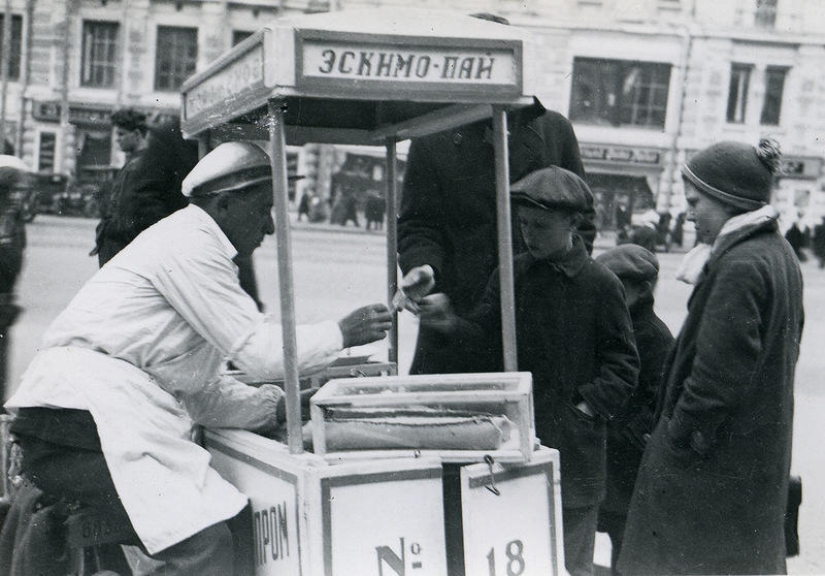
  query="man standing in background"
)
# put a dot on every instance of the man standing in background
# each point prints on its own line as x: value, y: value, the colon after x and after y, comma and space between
x: 131, y: 135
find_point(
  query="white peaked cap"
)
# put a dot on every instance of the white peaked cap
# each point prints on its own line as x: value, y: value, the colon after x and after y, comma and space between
x: 9, y: 161
x: 231, y: 166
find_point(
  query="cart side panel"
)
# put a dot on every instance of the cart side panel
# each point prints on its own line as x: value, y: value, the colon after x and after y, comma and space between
x: 366, y: 517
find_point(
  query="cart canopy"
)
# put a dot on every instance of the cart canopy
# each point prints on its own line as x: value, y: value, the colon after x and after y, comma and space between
x: 361, y: 77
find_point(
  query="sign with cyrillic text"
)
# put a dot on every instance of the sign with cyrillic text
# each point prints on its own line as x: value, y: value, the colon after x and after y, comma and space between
x: 349, y: 62
x: 273, y: 497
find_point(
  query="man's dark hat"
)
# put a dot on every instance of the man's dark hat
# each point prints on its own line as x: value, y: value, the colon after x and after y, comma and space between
x: 553, y: 188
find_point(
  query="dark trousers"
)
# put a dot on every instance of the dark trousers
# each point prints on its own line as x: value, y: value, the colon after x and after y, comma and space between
x: 579, y: 526
x: 82, y: 475
x: 613, y: 524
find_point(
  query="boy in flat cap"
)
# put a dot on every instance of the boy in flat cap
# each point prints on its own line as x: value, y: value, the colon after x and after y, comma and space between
x: 638, y: 270
x: 573, y: 333
x: 106, y: 410
x: 712, y: 489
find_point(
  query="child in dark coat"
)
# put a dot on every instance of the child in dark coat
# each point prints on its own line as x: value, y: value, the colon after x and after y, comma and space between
x: 638, y: 270
x: 573, y: 333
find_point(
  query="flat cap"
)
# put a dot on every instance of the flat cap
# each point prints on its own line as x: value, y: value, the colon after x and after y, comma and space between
x: 553, y: 188
x: 230, y: 167
x: 630, y: 261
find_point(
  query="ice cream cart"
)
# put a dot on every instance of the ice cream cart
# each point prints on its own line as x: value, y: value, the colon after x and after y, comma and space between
x: 376, y: 78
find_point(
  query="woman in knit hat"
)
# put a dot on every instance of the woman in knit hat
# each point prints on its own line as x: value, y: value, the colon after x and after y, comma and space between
x: 711, y: 493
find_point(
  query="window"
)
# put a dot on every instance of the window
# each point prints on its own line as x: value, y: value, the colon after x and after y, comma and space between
x: 45, y: 161
x: 765, y: 13
x: 774, y: 87
x: 177, y: 56
x: 99, y: 54
x: 619, y: 92
x: 239, y: 36
x: 740, y: 78
x: 16, y: 43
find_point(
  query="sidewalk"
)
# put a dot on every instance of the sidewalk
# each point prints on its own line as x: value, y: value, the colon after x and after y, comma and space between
x: 604, y: 241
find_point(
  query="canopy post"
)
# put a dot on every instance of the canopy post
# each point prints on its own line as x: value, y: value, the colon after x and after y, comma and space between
x: 203, y: 144
x: 505, y: 239
x: 292, y: 387
x: 392, y: 242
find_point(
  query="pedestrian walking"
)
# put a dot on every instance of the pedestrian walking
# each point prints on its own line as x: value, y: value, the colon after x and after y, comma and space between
x: 818, y: 243
x: 712, y: 488
x: 374, y: 211
x: 638, y: 270
x: 796, y: 238
x: 304, y: 205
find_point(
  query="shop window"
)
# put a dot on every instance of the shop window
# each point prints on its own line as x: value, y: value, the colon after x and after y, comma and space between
x: 765, y: 16
x: 99, y: 54
x: 774, y: 87
x: 45, y: 158
x: 740, y: 77
x: 619, y: 92
x: 16, y: 44
x: 239, y: 36
x: 177, y: 56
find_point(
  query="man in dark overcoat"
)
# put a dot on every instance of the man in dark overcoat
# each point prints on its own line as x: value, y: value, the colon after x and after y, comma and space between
x: 447, y: 220
x: 711, y: 493
x: 12, y: 247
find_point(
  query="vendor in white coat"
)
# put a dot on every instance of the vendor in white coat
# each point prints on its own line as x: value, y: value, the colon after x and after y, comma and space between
x: 106, y: 410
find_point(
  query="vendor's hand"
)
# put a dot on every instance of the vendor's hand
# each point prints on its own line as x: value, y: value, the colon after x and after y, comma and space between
x: 437, y: 313
x: 280, y: 409
x: 365, y: 325
x: 416, y: 284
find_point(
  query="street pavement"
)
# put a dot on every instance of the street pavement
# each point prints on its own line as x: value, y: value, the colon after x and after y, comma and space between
x: 338, y: 268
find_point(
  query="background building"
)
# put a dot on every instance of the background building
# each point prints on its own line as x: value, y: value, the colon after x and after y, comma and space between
x: 646, y: 83
x: 70, y: 63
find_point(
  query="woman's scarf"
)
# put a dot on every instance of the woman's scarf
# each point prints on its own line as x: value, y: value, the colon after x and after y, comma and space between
x: 693, y: 264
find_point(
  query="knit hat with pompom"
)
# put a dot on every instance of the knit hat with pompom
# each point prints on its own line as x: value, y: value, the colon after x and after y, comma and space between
x: 735, y: 173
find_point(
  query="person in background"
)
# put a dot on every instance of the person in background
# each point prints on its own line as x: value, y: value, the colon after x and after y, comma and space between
x: 712, y: 489
x: 12, y: 247
x: 574, y: 335
x: 677, y: 233
x: 149, y: 189
x: 131, y: 135
x: 304, y: 205
x: 796, y: 238
x: 638, y: 270
x: 818, y: 243
x: 106, y: 410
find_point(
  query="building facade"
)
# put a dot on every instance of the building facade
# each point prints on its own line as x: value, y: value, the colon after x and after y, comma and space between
x: 71, y: 63
x: 646, y: 83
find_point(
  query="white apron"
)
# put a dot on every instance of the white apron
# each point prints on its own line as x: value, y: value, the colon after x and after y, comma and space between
x: 162, y: 477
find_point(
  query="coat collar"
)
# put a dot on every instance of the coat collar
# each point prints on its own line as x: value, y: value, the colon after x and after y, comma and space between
x: 570, y: 264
